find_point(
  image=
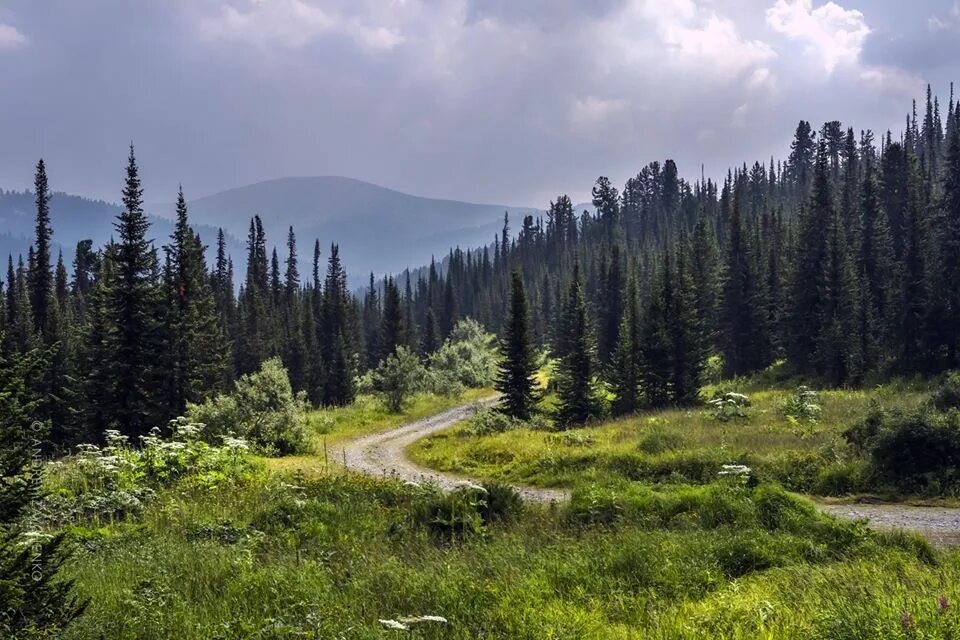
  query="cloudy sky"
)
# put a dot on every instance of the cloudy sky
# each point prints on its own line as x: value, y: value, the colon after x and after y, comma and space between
x: 505, y: 101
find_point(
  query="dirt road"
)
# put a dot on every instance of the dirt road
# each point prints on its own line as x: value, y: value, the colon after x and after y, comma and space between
x: 384, y: 454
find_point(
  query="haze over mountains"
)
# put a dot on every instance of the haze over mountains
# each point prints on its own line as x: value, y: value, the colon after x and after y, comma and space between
x: 378, y: 229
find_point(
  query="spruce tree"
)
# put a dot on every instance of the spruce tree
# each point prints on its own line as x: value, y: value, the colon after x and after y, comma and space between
x: 132, y: 327
x: 625, y: 372
x: 41, y: 276
x: 391, y: 324
x: 740, y: 313
x: 337, y: 357
x: 686, y: 340
x: 197, y: 348
x: 516, y: 380
x: 578, y: 402
x: 656, y: 368
x: 806, y: 303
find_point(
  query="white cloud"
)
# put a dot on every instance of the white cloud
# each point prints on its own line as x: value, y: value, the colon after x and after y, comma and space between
x: 10, y: 38
x: 697, y: 39
x: 717, y: 44
x: 295, y: 24
x: 833, y: 35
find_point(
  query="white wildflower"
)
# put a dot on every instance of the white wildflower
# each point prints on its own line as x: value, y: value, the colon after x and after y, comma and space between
x: 734, y: 470
x: 394, y: 624
x: 466, y: 485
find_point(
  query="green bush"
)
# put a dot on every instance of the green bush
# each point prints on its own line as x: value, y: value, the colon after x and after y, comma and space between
x: 262, y: 409
x: 468, y: 356
x: 501, y: 503
x: 396, y: 379
x: 729, y: 405
x: 490, y: 421
x: 803, y: 405
x: 454, y: 515
x: 114, y: 482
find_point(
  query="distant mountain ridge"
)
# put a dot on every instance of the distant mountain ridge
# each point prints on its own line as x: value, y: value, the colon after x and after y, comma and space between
x: 378, y: 229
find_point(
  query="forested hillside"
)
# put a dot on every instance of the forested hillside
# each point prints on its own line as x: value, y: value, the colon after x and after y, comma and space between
x: 842, y: 259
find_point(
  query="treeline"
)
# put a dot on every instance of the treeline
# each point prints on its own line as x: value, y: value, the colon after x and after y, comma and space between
x: 134, y: 332
x: 843, y: 259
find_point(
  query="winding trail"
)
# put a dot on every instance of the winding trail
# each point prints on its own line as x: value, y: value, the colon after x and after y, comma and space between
x: 384, y: 454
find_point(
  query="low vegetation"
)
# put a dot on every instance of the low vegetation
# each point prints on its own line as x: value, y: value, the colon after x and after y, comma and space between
x: 791, y: 436
x: 341, y: 556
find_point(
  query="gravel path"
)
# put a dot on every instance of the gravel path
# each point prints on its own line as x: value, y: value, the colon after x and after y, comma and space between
x: 384, y: 454
x: 939, y: 525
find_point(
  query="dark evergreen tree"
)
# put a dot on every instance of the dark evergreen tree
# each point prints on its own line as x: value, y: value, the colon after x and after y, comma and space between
x: 516, y: 380
x: 577, y: 398
x: 41, y: 275
x: 131, y: 324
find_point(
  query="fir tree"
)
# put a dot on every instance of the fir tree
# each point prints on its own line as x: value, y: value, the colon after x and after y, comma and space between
x: 577, y: 398
x: 41, y: 276
x: 625, y: 372
x: 516, y: 380
x: 132, y: 304
x: 337, y: 359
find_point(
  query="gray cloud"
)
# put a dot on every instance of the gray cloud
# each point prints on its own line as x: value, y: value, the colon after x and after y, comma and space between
x: 491, y: 101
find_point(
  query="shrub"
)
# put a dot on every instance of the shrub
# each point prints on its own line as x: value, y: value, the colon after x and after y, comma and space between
x: 443, y: 383
x: 863, y: 434
x: 399, y: 376
x: 117, y: 480
x: 262, y: 409
x: 489, y: 421
x: 468, y: 356
x: 803, y: 405
x: 454, y: 515
x: 729, y: 405
x: 501, y: 503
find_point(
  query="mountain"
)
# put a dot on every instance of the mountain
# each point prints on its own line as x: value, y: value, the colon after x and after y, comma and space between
x: 76, y: 218
x: 378, y: 229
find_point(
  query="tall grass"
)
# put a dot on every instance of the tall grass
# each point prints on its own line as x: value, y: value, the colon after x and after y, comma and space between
x: 330, y: 557
x: 680, y: 445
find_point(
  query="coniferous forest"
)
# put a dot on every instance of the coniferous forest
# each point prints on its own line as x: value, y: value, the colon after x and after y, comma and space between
x: 632, y: 324
x: 841, y: 259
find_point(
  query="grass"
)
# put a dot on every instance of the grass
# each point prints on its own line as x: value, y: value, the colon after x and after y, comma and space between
x: 678, y: 446
x: 652, y: 543
x: 330, y: 556
x: 367, y: 415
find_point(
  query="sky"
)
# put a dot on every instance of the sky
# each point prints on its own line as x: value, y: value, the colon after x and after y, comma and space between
x: 493, y: 101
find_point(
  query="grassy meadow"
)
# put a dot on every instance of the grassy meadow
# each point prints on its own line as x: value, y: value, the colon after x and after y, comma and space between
x: 192, y: 541
x: 273, y: 556
x: 682, y: 446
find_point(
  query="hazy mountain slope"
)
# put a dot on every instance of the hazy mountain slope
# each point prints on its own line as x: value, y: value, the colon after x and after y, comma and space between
x: 377, y: 229
x: 75, y: 218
